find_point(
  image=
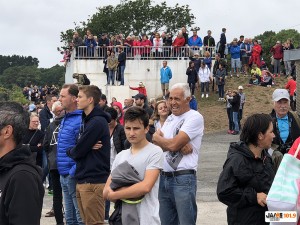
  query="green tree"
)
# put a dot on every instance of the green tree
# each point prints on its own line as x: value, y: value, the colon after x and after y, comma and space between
x: 134, y: 17
x: 54, y: 75
x: 269, y: 39
x: 16, y: 60
x: 20, y: 76
x: 15, y: 94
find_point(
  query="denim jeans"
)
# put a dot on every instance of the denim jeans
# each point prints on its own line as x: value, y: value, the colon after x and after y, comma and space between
x: 235, y: 116
x: 122, y: 69
x: 204, y: 85
x: 72, y: 213
x: 230, y: 119
x: 192, y: 88
x: 221, y: 90
x: 177, y: 199
x: 111, y: 77
x: 276, y: 66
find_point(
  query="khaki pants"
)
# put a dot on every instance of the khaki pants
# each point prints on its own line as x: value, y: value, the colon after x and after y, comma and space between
x: 91, y: 203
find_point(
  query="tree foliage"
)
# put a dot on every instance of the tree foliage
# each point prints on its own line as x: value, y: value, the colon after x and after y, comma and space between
x: 14, y: 94
x: 54, y: 75
x: 20, y: 76
x: 16, y: 60
x: 269, y: 39
x: 134, y: 17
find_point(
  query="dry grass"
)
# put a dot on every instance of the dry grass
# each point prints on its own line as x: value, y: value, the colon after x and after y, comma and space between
x: 258, y: 100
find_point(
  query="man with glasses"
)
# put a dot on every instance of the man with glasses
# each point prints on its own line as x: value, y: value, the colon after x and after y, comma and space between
x: 21, y: 187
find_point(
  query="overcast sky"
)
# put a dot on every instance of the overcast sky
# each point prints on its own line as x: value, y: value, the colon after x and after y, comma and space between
x: 32, y: 27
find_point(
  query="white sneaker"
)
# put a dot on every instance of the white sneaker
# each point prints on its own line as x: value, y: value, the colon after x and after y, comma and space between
x: 202, y: 96
x: 206, y: 95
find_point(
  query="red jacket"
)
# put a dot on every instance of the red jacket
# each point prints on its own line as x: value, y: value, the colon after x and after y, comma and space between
x: 291, y: 86
x: 277, y: 52
x: 256, y: 50
x: 179, y: 42
x: 141, y: 90
x: 144, y: 43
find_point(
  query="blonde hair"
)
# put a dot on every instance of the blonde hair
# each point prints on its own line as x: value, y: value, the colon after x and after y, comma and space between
x: 207, y: 54
x: 155, y: 115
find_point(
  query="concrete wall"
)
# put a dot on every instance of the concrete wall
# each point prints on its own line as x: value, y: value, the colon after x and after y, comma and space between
x: 147, y: 71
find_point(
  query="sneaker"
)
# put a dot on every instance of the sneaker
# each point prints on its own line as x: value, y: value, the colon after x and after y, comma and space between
x: 229, y: 132
x: 206, y: 96
x: 50, y: 213
x: 237, y: 76
x: 202, y: 96
x: 235, y: 132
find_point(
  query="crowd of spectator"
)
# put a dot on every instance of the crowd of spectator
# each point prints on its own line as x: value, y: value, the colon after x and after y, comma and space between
x: 155, y: 45
x: 36, y: 95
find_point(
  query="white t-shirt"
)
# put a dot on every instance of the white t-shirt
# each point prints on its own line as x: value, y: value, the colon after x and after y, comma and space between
x: 150, y: 157
x: 192, y: 124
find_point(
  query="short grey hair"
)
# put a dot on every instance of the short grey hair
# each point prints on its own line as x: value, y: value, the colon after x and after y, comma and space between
x: 184, y: 87
x: 55, y: 104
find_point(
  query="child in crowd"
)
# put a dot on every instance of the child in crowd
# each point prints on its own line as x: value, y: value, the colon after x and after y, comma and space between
x: 192, y: 79
x: 193, y: 103
x: 220, y: 81
x: 207, y: 59
x: 267, y: 78
x: 229, y: 111
x: 255, y: 75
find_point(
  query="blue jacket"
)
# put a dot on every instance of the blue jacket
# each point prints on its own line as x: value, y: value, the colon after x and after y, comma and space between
x: 197, y: 42
x: 165, y: 75
x: 67, y: 137
x: 235, y: 51
x: 92, y: 166
x: 193, y: 104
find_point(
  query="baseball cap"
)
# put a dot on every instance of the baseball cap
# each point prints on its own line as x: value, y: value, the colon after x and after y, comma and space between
x: 280, y: 94
x: 240, y: 87
x: 139, y: 96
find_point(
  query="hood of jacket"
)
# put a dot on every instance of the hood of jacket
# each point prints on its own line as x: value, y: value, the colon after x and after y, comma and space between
x: 21, y: 154
x: 240, y: 148
x: 97, y: 111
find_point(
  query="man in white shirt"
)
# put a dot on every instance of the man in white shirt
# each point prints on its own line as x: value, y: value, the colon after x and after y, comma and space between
x: 180, y: 138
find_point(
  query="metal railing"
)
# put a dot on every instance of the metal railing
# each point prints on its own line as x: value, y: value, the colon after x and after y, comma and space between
x: 141, y: 52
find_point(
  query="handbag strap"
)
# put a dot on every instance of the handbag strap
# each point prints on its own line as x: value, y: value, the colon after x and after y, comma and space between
x: 32, y: 137
x: 297, y: 151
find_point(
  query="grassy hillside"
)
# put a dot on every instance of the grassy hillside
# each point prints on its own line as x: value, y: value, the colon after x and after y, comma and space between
x: 258, y: 100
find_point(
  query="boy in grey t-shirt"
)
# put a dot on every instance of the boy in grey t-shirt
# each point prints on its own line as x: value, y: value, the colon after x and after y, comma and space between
x: 147, y: 160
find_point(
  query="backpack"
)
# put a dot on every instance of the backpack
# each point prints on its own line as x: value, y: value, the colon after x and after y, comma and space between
x: 86, y: 80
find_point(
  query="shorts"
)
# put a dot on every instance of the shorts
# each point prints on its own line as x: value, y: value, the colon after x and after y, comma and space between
x: 235, y: 63
x: 165, y: 86
x: 245, y: 60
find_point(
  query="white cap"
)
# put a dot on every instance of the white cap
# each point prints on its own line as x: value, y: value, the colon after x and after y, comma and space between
x: 280, y: 94
x: 240, y: 87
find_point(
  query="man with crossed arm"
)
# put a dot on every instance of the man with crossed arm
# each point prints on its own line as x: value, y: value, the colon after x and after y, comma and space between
x: 180, y: 138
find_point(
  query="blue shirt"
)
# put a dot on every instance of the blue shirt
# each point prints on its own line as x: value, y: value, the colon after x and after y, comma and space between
x: 283, y: 127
